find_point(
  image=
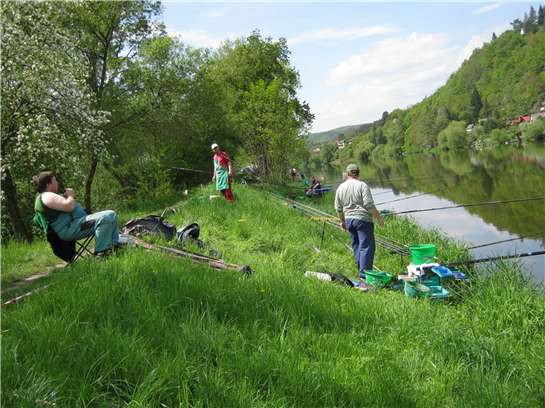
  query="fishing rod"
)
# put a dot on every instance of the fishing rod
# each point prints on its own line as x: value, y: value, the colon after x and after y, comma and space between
x: 193, y: 170
x: 508, y: 240
x: 330, y: 220
x: 387, y: 180
x: 497, y: 258
x: 516, y: 200
x: 406, y: 198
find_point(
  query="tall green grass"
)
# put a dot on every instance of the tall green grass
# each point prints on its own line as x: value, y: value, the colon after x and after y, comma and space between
x: 143, y: 330
x: 20, y: 259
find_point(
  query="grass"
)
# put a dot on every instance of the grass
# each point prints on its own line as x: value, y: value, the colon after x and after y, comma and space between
x: 142, y: 330
x: 20, y: 260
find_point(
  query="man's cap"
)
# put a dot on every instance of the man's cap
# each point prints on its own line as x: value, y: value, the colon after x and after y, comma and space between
x: 352, y: 168
x: 214, y: 145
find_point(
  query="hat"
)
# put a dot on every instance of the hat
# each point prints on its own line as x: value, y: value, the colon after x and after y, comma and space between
x: 352, y: 168
x: 214, y: 145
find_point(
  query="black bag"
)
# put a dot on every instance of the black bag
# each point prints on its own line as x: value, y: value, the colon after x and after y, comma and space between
x: 192, y: 231
x: 150, y: 225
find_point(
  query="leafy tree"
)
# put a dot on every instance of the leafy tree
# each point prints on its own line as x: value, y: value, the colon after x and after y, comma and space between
x: 259, y: 90
x: 48, y: 119
x: 541, y: 16
x: 475, y: 104
x: 517, y: 24
x: 270, y: 128
x: 109, y: 33
x: 453, y: 137
x: 532, y: 132
x: 328, y: 152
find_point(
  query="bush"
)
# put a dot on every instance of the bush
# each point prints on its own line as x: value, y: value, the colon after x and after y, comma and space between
x: 453, y: 137
x: 363, y: 150
x: 499, y: 136
x: 532, y: 132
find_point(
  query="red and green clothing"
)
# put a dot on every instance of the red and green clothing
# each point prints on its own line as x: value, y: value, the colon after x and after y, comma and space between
x: 221, y: 170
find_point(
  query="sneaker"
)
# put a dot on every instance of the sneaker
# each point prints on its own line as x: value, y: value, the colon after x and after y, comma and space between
x: 103, y: 254
x: 364, y: 286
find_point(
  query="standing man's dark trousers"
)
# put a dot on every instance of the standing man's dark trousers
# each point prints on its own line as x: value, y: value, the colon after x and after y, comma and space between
x: 363, y: 243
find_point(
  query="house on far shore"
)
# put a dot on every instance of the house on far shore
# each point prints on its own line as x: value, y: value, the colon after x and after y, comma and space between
x: 316, y: 150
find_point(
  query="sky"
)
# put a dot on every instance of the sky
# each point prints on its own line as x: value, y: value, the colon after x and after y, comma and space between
x: 355, y: 59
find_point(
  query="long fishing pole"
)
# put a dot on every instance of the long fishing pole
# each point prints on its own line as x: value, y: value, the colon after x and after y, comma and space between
x: 407, y: 198
x: 538, y: 234
x: 193, y: 170
x: 516, y: 200
x: 497, y: 258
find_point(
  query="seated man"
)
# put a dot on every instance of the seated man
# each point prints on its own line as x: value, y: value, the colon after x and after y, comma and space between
x: 315, y: 189
x: 68, y: 218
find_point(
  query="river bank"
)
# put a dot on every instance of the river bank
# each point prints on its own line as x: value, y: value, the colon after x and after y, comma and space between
x: 147, y: 330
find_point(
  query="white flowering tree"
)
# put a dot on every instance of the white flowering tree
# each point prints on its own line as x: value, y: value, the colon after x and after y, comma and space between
x: 109, y: 33
x: 48, y: 118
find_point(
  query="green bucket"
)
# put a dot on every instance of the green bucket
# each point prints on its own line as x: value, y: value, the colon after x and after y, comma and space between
x: 416, y: 290
x: 378, y: 279
x: 422, y: 254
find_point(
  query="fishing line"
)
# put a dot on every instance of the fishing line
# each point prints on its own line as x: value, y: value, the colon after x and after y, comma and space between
x: 412, y: 196
x: 516, y: 200
x: 538, y: 234
x: 497, y: 258
x: 188, y: 169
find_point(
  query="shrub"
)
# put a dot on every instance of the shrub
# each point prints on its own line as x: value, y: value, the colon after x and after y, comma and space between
x: 532, y: 132
x: 454, y: 136
x: 499, y: 136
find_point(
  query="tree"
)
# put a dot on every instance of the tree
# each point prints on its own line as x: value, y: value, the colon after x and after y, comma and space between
x: 517, y: 24
x: 494, y: 37
x: 260, y: 91
x: 109, y: 33
x: 531, y: 23
x: 475, y: 104
x: 541, y: 16
x: 270, y: 125
x: 453, y: 136
x: 48, y: 119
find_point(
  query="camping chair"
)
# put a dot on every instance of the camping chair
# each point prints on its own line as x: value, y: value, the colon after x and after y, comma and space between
x: 66, y: 250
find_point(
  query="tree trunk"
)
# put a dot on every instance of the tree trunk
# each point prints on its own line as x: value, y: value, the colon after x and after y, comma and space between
x: 20, y: 229
x: 89, y: 184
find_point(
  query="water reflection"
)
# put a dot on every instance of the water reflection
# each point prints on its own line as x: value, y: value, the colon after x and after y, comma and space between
x: 468, y: 177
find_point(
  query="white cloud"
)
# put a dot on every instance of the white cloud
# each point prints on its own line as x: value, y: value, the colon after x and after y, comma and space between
x: 215, y: 13
x: 488, y: 8
x: 411, y: 55
x: 393, y: 73
x: 478, y: 40
x: 201, y: 38
x: 337, y: 34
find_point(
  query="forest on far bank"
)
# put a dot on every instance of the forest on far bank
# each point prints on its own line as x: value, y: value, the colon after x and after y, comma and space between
x: 479, y: 106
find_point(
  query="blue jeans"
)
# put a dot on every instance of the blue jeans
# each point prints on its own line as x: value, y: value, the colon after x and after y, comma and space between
x: 363, y: 243
x: 68, y: 227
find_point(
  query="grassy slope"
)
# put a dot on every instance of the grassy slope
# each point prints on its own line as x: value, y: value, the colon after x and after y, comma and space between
x: 147, y: 330
x: 20, y: 260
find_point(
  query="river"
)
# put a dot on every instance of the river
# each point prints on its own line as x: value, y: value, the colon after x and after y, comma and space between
x: 461, y: 177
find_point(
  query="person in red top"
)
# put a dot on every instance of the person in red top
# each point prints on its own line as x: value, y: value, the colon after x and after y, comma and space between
x: 223, y: 173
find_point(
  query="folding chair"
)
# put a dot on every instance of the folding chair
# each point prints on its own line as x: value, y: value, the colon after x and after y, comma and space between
x: 66, y: 250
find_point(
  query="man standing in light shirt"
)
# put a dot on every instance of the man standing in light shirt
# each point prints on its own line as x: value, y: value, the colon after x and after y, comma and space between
x: 356, y: 209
